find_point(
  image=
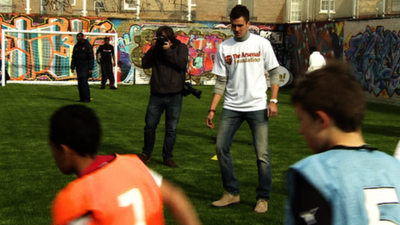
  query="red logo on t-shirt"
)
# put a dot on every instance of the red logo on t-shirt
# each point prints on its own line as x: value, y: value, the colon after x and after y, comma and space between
x: 228, y: 59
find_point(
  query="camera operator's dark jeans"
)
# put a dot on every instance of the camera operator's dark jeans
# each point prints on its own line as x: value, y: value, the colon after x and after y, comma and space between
x: 172, y: 104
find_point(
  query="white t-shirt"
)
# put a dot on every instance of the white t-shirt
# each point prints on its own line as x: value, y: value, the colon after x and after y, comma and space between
x: 316, y: 61
x: 245, y: 64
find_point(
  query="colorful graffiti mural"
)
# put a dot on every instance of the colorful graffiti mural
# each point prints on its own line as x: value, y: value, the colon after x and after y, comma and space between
x: 374, y: 57
x: 33, y: 57
x: 46, y: 57
x: 326, y: 36
x: 202, y: 49
x: 202, y: 43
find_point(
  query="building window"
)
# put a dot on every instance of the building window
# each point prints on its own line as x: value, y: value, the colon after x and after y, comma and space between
x: 295, y: 11
x: 396, y: 5
x: 6, y: 6
x: 130, y: 4
x: 325, y: 5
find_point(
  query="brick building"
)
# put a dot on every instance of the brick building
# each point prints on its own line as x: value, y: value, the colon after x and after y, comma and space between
x: 262, y: 11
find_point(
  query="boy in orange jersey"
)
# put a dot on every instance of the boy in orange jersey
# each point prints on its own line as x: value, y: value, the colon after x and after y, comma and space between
x: 110, y: 189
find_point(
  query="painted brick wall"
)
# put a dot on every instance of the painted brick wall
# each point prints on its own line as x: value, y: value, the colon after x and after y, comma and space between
x: 270, y: 11
x: 368, y: 7
x: 266, y: 11
x: 20, y: 5
x: 380, y: 75
x: 150, y: 9
x: 395, y: 100
x: 214, y: 10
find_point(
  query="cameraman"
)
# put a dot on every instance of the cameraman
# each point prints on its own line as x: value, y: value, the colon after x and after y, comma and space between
x: 168, y: 59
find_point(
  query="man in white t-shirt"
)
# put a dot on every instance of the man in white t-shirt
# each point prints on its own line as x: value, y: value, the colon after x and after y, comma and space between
x: 240, y: 66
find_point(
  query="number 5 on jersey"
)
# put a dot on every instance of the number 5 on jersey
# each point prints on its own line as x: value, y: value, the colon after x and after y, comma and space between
x: 375, y: 197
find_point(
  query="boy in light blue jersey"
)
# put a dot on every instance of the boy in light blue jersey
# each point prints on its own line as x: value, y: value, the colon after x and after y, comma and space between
x: 346, y: 181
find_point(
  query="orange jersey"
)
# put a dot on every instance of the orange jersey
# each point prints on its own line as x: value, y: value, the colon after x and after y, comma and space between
x: 122, y: 192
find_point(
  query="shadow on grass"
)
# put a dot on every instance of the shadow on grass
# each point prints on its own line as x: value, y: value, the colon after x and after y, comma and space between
x: 198, y: 192
x: 107, y: 148
x: 386, y: 130
x: 209, y: 138
x: 182, y: 132
x: 383, y: 108
x: 59, y: 98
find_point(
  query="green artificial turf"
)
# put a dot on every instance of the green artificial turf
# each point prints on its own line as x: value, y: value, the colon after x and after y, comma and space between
x: 29, y: 179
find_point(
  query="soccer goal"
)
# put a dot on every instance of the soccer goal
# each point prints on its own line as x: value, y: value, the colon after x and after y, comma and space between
x: 44, y: 57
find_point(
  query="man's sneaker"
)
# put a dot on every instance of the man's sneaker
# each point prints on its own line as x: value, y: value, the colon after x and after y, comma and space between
x: 144, y: 158
x: 262, y: 206
x: 103, y: 87
x: 170, y: 163
x: 227, y: 199
x: 113, y: 87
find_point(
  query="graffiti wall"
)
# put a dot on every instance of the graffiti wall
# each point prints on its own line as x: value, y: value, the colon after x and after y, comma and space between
x: 326, y: 36
x: 46, y: 57
x: 202, y: 40
x: 373, y: 50
x: 35, y: 56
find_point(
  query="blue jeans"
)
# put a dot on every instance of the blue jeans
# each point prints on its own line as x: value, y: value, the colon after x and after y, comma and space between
x: 230, y: 122
x: 172, y: 104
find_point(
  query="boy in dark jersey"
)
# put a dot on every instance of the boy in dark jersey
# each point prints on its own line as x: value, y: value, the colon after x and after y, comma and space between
x: 346, y: 181
x: 110, y: 189
x: 105, y: 57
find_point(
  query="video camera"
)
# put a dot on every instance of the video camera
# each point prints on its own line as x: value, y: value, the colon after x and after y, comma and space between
x: 161, y: 41
x: 188, y: 89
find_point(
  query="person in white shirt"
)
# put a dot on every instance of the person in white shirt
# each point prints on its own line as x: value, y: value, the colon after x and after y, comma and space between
x: 240, y: 66
x: 316, y: 60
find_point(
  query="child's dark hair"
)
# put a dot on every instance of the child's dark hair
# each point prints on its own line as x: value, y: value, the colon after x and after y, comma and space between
x: 77, y: 127
x: 313, y: 49
x: 334, y: 90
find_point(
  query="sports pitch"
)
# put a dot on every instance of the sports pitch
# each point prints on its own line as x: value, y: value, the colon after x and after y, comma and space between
x: 29, y: 179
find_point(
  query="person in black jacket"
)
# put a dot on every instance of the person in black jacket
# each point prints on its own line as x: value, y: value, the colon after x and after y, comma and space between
x: 82, y: 61
x: 105, y: 57
x: 168, y: 60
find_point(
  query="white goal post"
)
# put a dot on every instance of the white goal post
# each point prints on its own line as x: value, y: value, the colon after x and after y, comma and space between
x: 44, y: 57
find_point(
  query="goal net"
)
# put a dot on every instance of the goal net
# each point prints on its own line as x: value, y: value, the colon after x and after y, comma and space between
x: 44, y: 57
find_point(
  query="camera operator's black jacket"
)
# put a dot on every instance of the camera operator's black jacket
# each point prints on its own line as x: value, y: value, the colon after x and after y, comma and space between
x: 168, y: 68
